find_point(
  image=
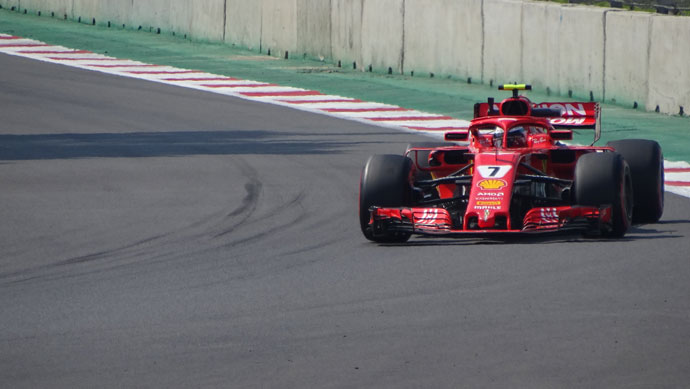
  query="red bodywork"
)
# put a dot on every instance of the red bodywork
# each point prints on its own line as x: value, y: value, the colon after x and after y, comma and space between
x: 494, y: 182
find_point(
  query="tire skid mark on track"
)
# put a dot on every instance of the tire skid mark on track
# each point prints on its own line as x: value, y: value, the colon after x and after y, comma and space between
x: 278, y: 209
x: 164, y: 246
x: 272, y: 230
x: 213, y: 235
x: 247, y: 208
x: 81, y: 259
x: 253, y: 189
x: 677, y: 173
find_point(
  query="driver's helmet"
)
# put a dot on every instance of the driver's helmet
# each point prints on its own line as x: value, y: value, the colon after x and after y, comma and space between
x: 498, y: 137
x: 517, y: 137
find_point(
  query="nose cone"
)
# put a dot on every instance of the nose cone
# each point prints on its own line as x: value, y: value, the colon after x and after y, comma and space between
x: 490, y: 195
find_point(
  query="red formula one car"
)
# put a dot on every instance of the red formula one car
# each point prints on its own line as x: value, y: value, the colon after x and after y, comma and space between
x: 509, y: 173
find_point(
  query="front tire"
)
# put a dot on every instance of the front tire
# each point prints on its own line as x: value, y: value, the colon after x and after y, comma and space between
x: 385, y: 182
x: 646, y: 162
x: 604, y: 179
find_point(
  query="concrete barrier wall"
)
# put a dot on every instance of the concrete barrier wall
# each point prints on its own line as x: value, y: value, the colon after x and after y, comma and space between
x: 444, y: 37
x: 243, y: 24
x: 346, y: 32
x: 208, y: 19
x: 179, y: 19
x: 153, y: 14
x: 314, y: 28
x: 279, y: 26
x: 8, y: 4
x: 117, y: 12
x: 541, y: 45
x: 581, y: 42
x: 627, y: 57
x: 669, y: 64
x: 59, y: 7
x: 612, y: 55
x: 382, y: 34
x: 502, y: 41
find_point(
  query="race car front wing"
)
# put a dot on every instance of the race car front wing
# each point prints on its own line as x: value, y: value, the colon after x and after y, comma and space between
x: 438, y: 221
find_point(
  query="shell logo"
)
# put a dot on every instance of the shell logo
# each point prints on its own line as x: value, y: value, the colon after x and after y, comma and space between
x: 488, y: 202
x: 492, y: 184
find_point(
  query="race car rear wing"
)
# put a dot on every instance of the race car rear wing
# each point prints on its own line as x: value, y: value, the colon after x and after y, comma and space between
x: 573, y: 115
x: 576, y: 116
x: 570, y: 115
x: 562, y: 115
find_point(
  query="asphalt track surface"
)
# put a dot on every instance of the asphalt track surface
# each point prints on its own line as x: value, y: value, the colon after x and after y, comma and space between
x: 155, y: 236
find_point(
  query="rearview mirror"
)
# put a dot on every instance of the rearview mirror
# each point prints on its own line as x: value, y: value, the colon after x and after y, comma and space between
x: 561, y: 134
x: 457, y: 136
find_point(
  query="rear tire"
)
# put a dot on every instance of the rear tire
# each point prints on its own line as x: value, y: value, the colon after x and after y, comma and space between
x: 646, y: 162
x: 385, y: 182
x: 604, y: 179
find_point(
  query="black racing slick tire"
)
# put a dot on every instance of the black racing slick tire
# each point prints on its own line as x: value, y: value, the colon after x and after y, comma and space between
x: 604, y: 179
x: 646, y: 162
x: 385, y: 182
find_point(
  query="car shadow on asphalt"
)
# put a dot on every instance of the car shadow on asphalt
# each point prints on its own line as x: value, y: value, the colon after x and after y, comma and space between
x: 635, y: 233
x: 673, y: 222
x: 162, y: 144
